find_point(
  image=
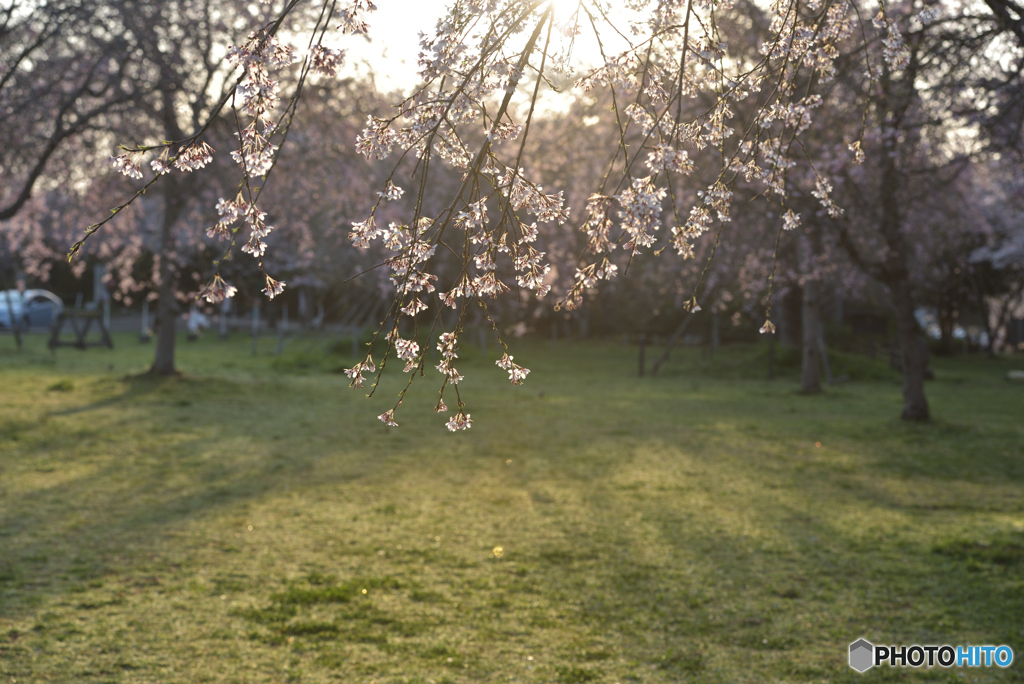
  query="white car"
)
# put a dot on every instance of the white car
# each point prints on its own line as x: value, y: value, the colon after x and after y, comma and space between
x: 31, y: 308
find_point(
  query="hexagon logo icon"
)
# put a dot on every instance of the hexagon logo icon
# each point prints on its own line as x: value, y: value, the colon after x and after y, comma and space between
x: 862, y: 654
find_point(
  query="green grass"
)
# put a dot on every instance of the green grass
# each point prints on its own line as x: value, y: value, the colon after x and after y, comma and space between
x: 251, y: 521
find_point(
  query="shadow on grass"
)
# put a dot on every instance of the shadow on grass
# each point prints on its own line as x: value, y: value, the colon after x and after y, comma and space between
x: 133, y: 464
x: 655, y: 530
x: 138, y: 387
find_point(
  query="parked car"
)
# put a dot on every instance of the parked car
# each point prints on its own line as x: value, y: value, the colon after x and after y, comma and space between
x: 32, y: 308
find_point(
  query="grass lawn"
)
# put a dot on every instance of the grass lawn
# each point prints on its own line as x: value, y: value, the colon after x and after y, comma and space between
x: 252, y: 521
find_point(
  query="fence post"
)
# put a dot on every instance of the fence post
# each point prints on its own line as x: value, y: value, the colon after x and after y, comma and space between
x: 281, y: 329
x: 15, y: 319
x: 144, y: 335
x: 225, y: 310
x: 193, y: 329
x: 714, y: 334
x: 824, y: 354
x: 255, y: 325
x: 643, y: 351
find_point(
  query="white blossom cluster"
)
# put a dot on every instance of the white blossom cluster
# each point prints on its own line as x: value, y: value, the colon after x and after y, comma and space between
x: 895, y: 52
x: 217, y: 290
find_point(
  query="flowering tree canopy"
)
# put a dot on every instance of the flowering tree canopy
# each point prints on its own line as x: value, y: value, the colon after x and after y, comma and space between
x: 713, y: 101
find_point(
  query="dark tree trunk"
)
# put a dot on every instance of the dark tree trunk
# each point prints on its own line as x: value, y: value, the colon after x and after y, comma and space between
x: 789, y: 315
x: 895, y: 99
x: 175, y: 191
x: 166, y: 321
x: 913, y: 354
x: 896, y: 270
x: 167, y: 304
x: 810, y: 372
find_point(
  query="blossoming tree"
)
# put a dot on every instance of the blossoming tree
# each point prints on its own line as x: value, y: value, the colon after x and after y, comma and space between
x: 482, y: 70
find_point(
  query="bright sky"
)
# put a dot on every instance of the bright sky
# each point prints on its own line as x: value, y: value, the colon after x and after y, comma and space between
x: 393, y: 47
x: 394, y: 40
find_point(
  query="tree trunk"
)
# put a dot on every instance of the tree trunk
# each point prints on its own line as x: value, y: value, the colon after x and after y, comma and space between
x: 895, y: 98
x: 175, y: 190
x: 166, y: 320
x: 789, y: 318
x: 912, y: 353
x: 167, y: 304
x: 810, y: 372
x: 897, y: 263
